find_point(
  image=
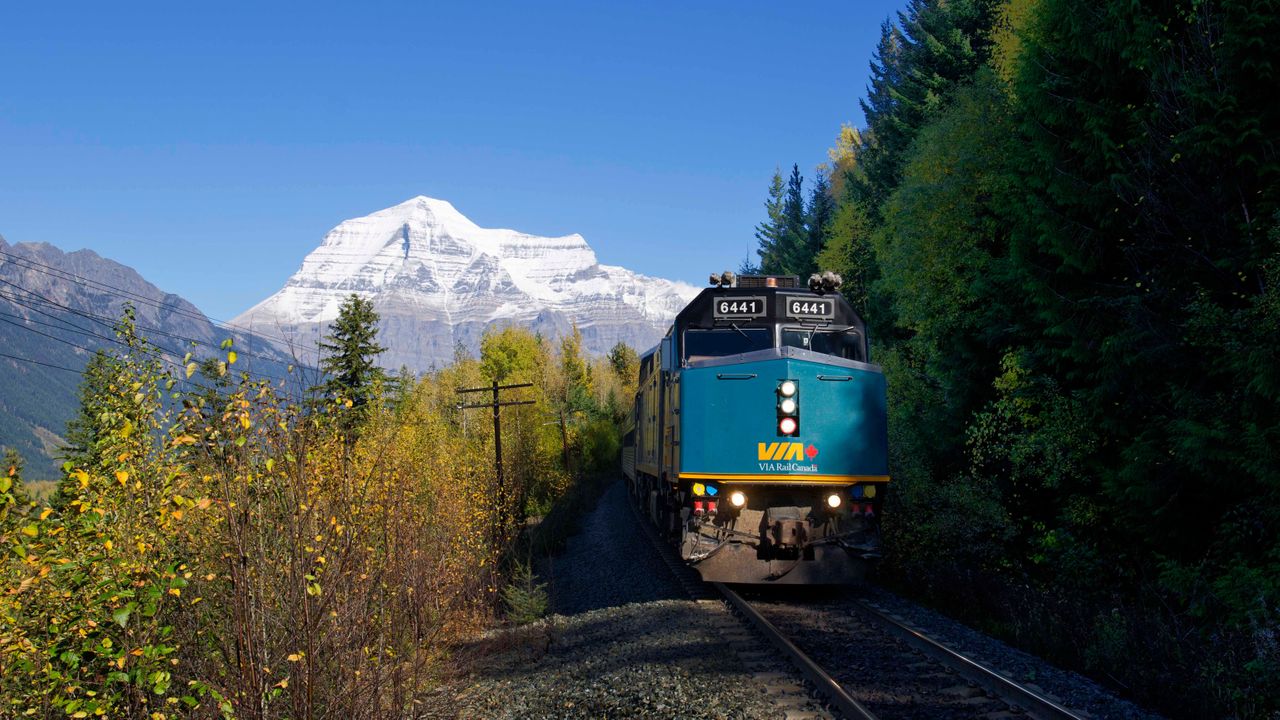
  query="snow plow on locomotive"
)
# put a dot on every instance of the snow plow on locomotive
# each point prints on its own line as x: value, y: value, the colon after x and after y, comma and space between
x: 759, y: 444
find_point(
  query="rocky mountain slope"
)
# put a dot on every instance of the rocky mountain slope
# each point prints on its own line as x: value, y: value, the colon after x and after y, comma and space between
x: 439, y: 280
x: 56, y: 308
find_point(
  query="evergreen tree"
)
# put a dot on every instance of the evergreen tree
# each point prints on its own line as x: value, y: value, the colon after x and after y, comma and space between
x: 350, y: 350
x: 821, y: 210
x: 795, y: 230
x: 936, y: 45
x: 769, y: 234
x: 82, y: 448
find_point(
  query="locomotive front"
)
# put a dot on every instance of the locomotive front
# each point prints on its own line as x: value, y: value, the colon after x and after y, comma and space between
x: 761, y: 441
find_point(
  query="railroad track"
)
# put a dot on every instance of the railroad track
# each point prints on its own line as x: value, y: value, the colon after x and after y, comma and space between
x: 980, y: 689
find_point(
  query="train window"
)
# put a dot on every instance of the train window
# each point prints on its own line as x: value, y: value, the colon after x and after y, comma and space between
x: 841, y: 343
x: 703, y: 343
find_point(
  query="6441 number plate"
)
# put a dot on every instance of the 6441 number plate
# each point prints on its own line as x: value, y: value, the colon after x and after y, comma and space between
x: 804, y: 308
x: 739, y: 307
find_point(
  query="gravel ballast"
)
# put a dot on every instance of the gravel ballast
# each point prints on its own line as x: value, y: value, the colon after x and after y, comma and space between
x: 626, y: 642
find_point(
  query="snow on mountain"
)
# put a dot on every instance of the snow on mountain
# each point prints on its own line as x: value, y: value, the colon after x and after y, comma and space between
x: 438, y: 280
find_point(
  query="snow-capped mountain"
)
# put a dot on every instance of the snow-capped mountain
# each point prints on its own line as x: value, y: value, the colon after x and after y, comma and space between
x: 438, y: 280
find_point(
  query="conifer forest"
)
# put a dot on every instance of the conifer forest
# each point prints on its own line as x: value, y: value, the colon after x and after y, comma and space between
x: 1061, y: 223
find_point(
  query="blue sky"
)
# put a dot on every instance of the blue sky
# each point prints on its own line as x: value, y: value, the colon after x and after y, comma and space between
x: 211, y: 146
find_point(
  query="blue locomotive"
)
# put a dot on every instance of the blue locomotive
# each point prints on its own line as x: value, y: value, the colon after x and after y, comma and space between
x: 759, y: 445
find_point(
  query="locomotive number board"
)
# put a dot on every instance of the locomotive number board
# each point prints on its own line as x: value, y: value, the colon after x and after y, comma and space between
x: 811, y: 308
x: 739, y: 307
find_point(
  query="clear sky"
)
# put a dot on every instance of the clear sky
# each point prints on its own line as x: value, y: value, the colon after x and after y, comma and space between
x: 210, y: 146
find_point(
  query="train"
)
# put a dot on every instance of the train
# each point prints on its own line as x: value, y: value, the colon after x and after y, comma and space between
x: 758, y: 441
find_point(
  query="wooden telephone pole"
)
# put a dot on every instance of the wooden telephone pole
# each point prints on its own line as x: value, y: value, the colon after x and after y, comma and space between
x: 496, y: 405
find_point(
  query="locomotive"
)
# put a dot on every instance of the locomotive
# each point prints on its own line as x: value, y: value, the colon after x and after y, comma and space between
x: 758, y: 443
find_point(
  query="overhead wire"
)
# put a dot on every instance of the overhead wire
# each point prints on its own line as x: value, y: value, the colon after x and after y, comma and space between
x: 160, y: 357
x: 37, y: 362
x: 160, y: 353
x: 67, y: 274
x: 110, y: 323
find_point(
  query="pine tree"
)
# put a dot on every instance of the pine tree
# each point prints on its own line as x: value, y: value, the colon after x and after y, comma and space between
x: 795, y: 230
x: 821, y: 210
x: 350, y: 350
x: 82, y: 435
x: 769, y: 233
x: 934, y: 47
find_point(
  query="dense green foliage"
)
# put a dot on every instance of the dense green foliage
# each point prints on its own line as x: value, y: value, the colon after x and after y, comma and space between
x: 1062, y: 224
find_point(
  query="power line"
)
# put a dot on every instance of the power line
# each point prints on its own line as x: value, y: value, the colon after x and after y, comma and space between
x: 67, y: 274
x: 37, y: 362
x: 109, y: 323
x: 285, y: 391
x: 157, y: 352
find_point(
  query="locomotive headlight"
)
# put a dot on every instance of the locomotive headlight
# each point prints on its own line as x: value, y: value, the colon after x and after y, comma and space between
x: 787, y: 426
x: 833, y: 501
x: 737, y: 498
x: 788, y: 406
x: 787, y: 388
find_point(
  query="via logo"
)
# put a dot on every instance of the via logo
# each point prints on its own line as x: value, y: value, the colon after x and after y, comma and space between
x: 776, y: 451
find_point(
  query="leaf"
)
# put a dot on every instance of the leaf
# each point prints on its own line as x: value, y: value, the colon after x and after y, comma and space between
x: 226, y: 343
x: 81, y: 477
x: 245, y: 422
x: 121, y: 616
x: 127, y: 430
x: 294, y: 657
x: 271, y: 463
x: 44, y: 514
x: 122, y: 476
x: 5, y: 484
x: 231, y: 357
x: 31, y: 530
x: 191, y: 369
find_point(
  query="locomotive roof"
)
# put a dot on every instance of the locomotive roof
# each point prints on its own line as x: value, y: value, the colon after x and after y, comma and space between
x: 701, y: 310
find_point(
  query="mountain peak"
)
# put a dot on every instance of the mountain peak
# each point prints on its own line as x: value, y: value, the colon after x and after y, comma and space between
x: 438, y: 279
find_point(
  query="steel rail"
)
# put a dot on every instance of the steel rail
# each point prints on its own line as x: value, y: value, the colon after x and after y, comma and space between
x: 822, y: 682
x: 1011, y: 692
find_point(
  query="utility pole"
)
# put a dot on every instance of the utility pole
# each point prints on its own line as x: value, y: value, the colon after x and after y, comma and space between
x: 496, y: 405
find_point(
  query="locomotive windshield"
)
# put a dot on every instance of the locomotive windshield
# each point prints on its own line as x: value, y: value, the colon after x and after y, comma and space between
x: 841, y: 343
x: 723, y: 322
x: 703, y: 343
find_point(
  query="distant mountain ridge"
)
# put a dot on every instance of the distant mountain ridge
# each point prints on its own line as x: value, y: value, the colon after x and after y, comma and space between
x: 438, y: 280
x: 56, y: 308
